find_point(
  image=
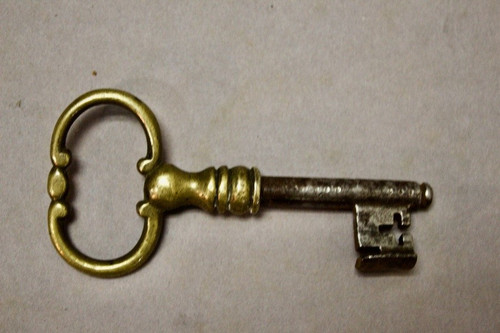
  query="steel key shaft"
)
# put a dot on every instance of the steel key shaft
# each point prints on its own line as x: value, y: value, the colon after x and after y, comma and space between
x: 342, y: 194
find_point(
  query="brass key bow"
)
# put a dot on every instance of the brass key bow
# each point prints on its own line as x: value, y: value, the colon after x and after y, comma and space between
x: 377, y: 204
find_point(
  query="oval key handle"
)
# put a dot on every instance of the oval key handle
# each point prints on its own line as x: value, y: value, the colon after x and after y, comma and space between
x: 58, y: 185
x: 377, y: 205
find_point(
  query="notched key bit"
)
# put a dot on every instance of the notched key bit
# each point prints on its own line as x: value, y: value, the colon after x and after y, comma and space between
x: 378, y: 205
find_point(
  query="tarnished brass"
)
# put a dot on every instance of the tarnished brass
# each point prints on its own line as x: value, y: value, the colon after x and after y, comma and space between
x: 377, y: 205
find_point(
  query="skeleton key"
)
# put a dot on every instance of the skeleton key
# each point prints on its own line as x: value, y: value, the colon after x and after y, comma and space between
x: 378, y: 205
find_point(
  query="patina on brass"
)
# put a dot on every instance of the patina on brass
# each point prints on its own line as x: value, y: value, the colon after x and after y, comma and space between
x: 377, y: 205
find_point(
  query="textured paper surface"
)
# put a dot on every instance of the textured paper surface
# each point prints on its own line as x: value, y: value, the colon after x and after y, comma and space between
x: 315, y: 88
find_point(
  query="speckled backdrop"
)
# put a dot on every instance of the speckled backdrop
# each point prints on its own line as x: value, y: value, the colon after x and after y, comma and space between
x: 373, y: 89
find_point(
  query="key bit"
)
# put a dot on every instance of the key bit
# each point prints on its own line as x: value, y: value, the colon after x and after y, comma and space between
x: 378, y: 205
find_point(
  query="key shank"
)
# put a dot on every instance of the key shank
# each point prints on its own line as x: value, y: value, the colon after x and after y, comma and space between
x: 342, y: 194
x: 240, y: 191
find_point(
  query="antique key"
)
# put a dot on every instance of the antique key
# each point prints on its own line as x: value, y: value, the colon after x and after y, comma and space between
x: 378, y: 205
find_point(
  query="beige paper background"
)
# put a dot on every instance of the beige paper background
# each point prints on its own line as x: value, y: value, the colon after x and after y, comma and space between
x: 384, y: 89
